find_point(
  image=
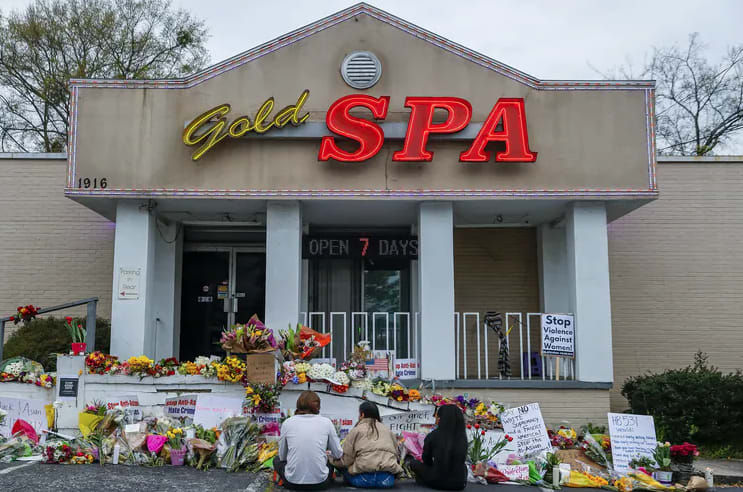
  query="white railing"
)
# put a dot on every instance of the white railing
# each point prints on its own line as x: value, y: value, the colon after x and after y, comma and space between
x: 479, y: 349
x: 385, y: 328
x: 480, y: 354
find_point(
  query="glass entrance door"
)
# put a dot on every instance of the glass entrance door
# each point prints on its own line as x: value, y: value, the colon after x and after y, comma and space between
x: 220, y: 287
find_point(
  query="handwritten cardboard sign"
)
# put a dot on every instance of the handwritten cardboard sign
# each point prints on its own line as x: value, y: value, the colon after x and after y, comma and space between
x: 632, y: 436
x: 211, y: 410
x: 406, y: 368
x: 408, y: 421
x: 558, y: 335
x: 130, y: 405
x: 183, y: 407
x: 32, y: 411
x: 526, y: 425
x: 261, y: 368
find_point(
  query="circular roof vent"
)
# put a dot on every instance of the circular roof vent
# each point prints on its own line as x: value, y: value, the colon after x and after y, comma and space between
x: 361, y: 69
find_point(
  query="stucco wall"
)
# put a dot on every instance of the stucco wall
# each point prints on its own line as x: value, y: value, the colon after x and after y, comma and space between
x: 52, y: 250
x: 677, y: 273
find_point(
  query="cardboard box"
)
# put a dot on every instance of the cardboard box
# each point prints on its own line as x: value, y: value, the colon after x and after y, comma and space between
x: 261, y: 368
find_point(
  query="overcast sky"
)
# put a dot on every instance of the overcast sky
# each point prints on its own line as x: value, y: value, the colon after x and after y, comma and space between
x: 546, y: 39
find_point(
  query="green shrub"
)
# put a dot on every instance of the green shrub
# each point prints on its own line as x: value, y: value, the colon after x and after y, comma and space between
x: 697, y: 404
x: 43, y: 338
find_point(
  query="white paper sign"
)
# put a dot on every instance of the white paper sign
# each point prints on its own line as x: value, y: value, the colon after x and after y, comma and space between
x: 183, y: 406
x: 130, y: 404
x: 273, y: 417
x: 343, y: 424
x: 32, y: 411
x: 212, y: 410
x: 515, y: 472
x: 406, y: 368
x: 558, y: 335
x: 408, y: 421
x: 526, y: 425
x: 129, y: 283
x: 632, y: 436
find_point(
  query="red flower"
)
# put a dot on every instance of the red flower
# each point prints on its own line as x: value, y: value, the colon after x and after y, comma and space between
x: 477, y: 426
x: 482, y: 432
x: 12, y: 318
x: 68, y: 319
x: 469, y: 426
x: 509, y: 438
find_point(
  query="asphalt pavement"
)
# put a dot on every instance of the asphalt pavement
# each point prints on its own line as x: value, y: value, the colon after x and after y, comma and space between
x: 20, y: 476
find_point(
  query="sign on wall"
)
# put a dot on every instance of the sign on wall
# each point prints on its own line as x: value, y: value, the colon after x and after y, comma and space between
x: 68, y: 386
x: 212, y: 410
x: 130, y: 405
x: 365, y: 246
x: 558, y: 335
x: 632, y: 436
x: 408, y: 421
x: 129, y: 283
x: 182, y: 406
x: 32, y: 411
x: 526, y: 425
x: 406, y: 368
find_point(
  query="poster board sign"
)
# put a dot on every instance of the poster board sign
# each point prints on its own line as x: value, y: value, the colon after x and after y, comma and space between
x: 32, y: 411
x: 515, y: 472
x: 343, y: 424
x: 406, y: 368
x: 632, y: 436
x: 271, y: 419
x: 68, y: 387
x: 526, y: 425
x: 130, y: 405
x: 181, y: 407
x: 129, y: 283
x: 558, y: 335
x: 408, y: 421
x: 211, y: 410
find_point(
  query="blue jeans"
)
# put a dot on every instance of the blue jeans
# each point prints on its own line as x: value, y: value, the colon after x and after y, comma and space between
x: 374, y: 480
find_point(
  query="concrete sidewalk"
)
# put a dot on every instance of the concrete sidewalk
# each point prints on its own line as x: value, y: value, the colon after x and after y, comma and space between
x: 725, y: 471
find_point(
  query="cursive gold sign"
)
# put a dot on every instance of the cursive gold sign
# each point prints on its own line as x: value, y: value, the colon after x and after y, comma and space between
x: 214, y: 127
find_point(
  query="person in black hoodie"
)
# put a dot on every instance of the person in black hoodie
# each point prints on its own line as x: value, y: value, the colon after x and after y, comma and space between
x: 444, y: 453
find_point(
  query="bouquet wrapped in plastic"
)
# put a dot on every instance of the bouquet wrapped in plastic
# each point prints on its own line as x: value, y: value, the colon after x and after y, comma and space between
x: 237, y: 445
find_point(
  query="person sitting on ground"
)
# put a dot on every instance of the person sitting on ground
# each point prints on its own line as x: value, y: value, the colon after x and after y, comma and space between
x: 444, y: 453
x: 305, y: 438
x: 370, y: 452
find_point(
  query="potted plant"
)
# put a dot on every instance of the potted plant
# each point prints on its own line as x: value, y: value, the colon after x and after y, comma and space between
x: 682, y: 457
x: 662, y: 457
x: 77, y: 334
x: 177, y: 446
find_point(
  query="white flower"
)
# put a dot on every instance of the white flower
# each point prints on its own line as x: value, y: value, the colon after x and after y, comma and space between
x: 14, y: 368
x: 341, y: 378
x: 202, y: 360
x: 321, y: 371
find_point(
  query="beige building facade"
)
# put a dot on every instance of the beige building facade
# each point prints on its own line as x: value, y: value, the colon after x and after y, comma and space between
x: 182, y: 228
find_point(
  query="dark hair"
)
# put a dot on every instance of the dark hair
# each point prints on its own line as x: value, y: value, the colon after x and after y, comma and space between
x: 308, y: 403
x: 453, y: 436
x: 371, y: 411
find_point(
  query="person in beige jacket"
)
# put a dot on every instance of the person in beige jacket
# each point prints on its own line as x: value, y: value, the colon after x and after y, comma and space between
x: 369, y: 448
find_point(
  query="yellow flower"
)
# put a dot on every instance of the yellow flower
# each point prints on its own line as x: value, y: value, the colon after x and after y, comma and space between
x: 248, y: 390
x: 256, y: 399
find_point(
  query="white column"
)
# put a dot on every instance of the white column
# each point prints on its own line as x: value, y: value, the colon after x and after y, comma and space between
x: 588, y: 289
x: 132, y: 323
x: 283, y: 264
x: 436, y: 289
x: 553, y: 269
x: 166, y: 294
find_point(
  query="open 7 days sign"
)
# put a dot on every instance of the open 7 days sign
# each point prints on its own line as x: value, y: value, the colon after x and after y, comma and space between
x: 506, y: 124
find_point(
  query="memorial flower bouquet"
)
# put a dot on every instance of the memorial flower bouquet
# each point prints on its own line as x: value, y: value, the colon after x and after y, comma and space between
x: 59, y: 452
x: 201, y: 366
x: 478, y: 450
x: 321, y: 372
x: 262, y: 397
x: 563, y: 438
x: 253, y: 336
x: 100, y: 363
x: 231, y: 370
x: 175, y: 438
x: 25, y: 314
x: 683, y: 453
x: 139, y: 365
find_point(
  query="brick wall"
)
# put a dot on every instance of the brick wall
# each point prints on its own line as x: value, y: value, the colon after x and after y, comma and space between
x: 495, y: 269
x: 52, y: 250
x: 677, y: 273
